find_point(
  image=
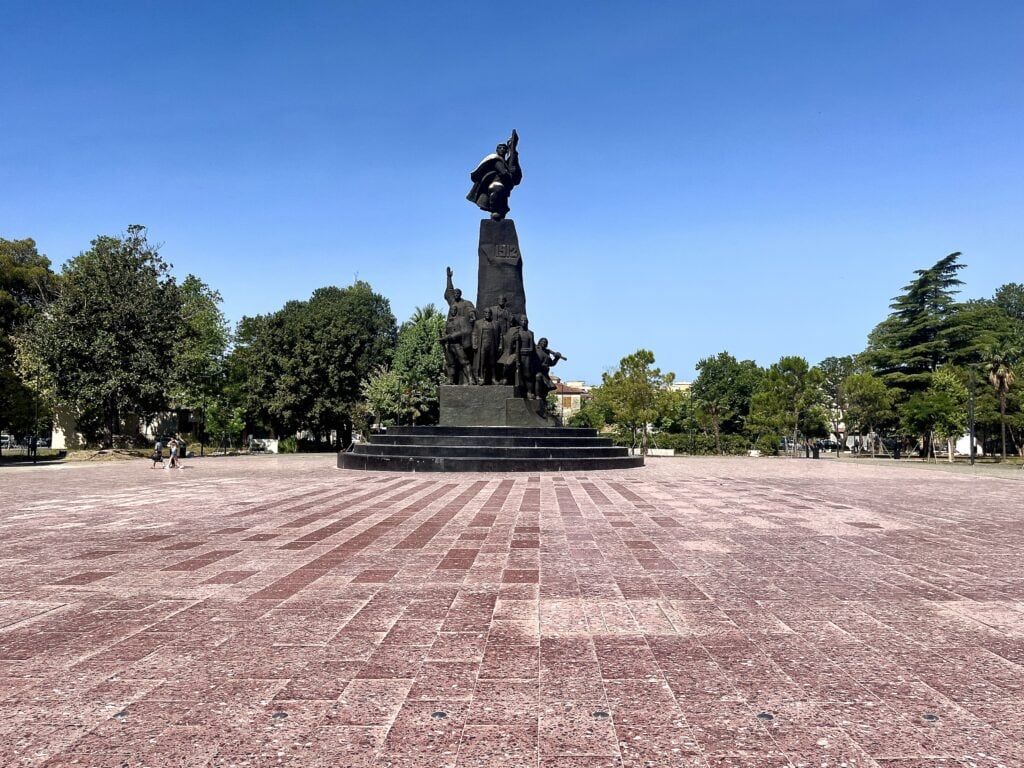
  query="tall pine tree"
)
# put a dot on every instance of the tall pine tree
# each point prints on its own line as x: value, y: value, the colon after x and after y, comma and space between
x: 908, y: 347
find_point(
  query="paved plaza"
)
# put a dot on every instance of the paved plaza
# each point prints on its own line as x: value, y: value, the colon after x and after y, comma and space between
x: 265, y: 611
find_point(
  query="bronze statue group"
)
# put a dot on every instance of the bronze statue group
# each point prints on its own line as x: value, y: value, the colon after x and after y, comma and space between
x: 494, y: 346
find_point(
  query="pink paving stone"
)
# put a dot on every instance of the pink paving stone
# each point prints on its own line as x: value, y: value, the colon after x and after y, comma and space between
x: 695, y: 612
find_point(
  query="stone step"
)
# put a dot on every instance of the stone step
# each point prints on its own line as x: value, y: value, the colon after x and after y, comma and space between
x: 477, y: 464
x: 489, y: 451
x: 491, y: 431
x: 485, y: 441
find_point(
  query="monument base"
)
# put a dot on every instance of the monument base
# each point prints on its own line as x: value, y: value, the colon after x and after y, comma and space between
x: 487, y: 449
x: 492, y: 405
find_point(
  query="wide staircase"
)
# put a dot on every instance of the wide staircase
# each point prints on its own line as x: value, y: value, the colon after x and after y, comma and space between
x: 487, y: 449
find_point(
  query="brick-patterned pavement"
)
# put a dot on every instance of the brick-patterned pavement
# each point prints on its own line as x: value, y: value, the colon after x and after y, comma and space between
x: 272, y: 611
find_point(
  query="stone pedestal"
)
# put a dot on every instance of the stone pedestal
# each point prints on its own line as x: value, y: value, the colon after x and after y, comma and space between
x: 489, y: 406
x: 501, y: 267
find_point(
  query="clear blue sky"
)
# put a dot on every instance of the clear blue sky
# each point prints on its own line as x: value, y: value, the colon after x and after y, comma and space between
x: 760, y: 177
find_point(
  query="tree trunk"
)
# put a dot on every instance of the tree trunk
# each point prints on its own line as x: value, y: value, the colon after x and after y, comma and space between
x: 949, y: 448
x: 1016, y: 443
x: 113, y: 423
x: 1002, y: 419
x: 718, y: 439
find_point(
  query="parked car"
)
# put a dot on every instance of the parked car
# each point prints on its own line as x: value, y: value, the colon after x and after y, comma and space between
x: 828, y: 445
x: 7, y: 441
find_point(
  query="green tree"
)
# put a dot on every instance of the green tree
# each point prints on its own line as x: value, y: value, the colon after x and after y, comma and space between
x: 869, y: 403
x: 789, y: 394
x: 835, y: 371
x: 419, y: 365
x: 104, y: 348
x: 1015, y: 413
x: 247, y: 385
x: 906, y: 348
x: 952, y: 423
x: 224, y: 423
x: 972, y: 329
x: 722, y: 393
x: 591, y: 415
x: 1010, y: 298
x: 676, y: 415
x: 941, y: 410
x: 382, y: 390
x: 1001, y: 375
x: 27, y: 286
x: 305, y: 362
x: 201, y: 343
x: 635, y: 394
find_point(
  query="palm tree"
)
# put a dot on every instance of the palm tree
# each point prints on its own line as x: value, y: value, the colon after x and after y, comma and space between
x: 1000, y: 374
x: 423, y: 314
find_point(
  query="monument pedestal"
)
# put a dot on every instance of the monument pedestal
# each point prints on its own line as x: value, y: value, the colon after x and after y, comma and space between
x: 493, y: 405
x: 487, y: 449
x: 500, y: 272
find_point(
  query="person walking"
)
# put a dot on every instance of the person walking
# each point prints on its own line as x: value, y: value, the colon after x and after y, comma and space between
x: 182, y: 450
x: 172, y: 447
x: 158, y: 454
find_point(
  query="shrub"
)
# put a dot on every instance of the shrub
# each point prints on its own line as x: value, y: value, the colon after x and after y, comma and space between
x: 768, y: 445
x: 288, y: 445
x: 699, y: 444
x: 735, y: 445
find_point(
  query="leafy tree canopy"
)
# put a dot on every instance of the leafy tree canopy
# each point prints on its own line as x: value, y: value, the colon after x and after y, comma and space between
x: 941, y: 409
x: 635, y: 393
x: 305, y: 363
x: 201, y: 342
x: 790, y: 394
x: 722, y: 392
x: 104, y: 348
x: 834, y: 371
x: 974, y: 328
x: 1001, y: 374
x: 382, y: 390
x: 419, y: 366
x: 869, y: 403
x: 906, y: 348
x: 1010, y: 298
x: 27, y: 284
x: 590, y: 415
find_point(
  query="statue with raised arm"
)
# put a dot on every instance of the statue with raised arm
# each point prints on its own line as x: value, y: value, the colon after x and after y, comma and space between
x: 457, y: 343
x: 453, y: 295
x: 494, y: 177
